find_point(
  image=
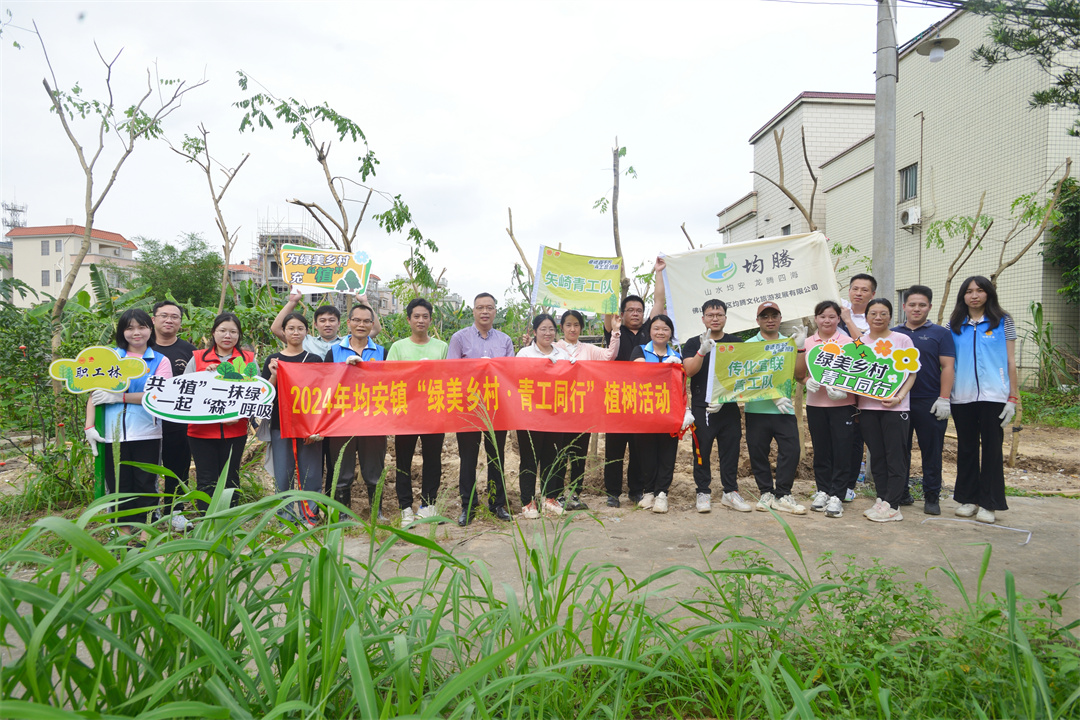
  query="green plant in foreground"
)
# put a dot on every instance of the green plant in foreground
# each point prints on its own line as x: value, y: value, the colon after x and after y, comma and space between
x: 247, y: 617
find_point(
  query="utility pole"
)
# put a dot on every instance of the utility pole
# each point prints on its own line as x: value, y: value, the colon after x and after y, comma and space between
x: 885, y: 152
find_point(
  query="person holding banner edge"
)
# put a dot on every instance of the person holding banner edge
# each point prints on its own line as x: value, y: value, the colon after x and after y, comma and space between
x: 418, y: 346
x: 369, y: 450
x: 327, y: 321
x: 830, y: 416
x: 861, y: 289
x: 885, y: 422
x: 219, y: 447
x: 481, y: 340
x: 768, y: 420
x: 713, y: 422
x: 135, y: 431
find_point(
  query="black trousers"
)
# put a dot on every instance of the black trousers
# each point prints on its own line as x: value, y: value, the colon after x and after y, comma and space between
x: 469, y: 452
x: 370, y: 450
x: 885, y: 433
x: 213, y: 456
x: 761, y: 430
x: 132, y: 479
x: 176, y: 456
x: 831, y: 430
x: 658, y: 452
x: 856, y: 457
x: 539, y: 452
x: 576, y: 449
x: 431, y: 474
x: 980, y: 462
x: 615, y: 446
x: 724, y: 427
x: 931, y: 433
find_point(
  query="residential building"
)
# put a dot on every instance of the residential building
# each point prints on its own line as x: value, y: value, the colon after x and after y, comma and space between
x: 272, y: 235
x: 43, y: 256
x: 239, y: 272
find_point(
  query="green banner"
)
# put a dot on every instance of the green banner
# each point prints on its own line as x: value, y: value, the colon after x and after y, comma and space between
x: 577, y: 282
x: 740, y: 372
x: 876, y: 371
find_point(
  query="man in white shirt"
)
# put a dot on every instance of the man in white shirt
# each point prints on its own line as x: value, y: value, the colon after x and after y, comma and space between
x: 861, y: 290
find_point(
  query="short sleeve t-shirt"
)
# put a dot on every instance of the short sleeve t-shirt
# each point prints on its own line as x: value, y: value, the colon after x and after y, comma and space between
x: 304, y: 357
x: 899, y: 342
x: 406, y: 349
x: 934, y: 342
x: 763, y: 407
x: 699, y: 382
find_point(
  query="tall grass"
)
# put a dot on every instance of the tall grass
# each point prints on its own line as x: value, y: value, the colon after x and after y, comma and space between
x: 247, y: 618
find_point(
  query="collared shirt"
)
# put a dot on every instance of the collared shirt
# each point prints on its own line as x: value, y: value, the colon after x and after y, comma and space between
x: 648, y: 353
x: 700, y: 381
x: 821, y: 397
x: 933, y: 342
x: 861, y: 325
x: 468, y: 343
x: 533, y: 351
x: 317, y: 346
x: 342, y: 351
x: 130, y: 421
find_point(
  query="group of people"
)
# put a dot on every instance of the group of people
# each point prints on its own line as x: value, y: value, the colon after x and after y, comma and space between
x: 967, y: 370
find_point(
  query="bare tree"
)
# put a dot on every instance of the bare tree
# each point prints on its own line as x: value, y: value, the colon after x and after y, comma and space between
x: 197, y: 150
x: 602, y: 205
x: 779, y: 182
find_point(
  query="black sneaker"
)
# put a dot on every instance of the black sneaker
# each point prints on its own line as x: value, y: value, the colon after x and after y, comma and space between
x: 931, y: 507
x: 907, y: 499
x: 612, y: 501
x: 576, y: 504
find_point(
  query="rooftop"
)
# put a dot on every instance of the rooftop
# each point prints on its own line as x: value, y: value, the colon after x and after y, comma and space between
x: 810, y: 96
x: 54, y: 230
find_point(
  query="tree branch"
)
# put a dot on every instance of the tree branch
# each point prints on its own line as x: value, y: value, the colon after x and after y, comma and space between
x: 510, y: 232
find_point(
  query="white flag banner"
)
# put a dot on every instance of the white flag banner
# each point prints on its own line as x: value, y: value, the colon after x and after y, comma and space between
x: 793, y: 271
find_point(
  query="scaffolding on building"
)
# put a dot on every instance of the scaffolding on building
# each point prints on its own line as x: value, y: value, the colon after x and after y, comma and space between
x: 275, y: 233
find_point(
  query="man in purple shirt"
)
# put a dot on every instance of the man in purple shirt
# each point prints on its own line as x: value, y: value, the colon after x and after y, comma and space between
x: 481, y: 340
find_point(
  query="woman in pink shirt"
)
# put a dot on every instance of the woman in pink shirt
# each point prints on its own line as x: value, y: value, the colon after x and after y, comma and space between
x: 885, y: 422
x: 577, y: 444
x: 830, y: 415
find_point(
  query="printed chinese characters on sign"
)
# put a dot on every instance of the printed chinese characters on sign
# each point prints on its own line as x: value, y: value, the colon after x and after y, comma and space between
x: 579, y: 282
x: 207, y: 397
x: 740, y: 372
x: 876, y: 371
x: 311, y: 270
x: 97, y: 368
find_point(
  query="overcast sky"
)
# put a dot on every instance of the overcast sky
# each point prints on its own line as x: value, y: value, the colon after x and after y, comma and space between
x: 470, y: 107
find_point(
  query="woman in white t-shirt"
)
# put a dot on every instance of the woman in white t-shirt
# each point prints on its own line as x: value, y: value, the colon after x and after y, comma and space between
x: 539, y: 450
x: 885, y: 422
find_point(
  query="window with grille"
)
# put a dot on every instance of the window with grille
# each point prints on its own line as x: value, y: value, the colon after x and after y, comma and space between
x: 59, y: 276
x: 786, y: 230
x: 44, y: 247
x: 59, y: 245
x: 909, y: 182
x: 44, y: 278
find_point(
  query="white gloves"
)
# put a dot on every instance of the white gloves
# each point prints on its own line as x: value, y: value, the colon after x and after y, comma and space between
x: 785, y: 406
x: 941, y: 410
x: 553, y: 358
x: 673, y: 359
x: 93, y: 437
x: 799, y: 336
x: 713, y: 408
x: 687, y: 420
x: 707, y: 345
x: 1007, y: 414
x: 812, y: 385
x: 834, y: 393
x: 104, y: 397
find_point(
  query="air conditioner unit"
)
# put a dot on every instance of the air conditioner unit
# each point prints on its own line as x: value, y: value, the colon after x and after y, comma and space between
x: 910, y: 216
x: 116, y: 252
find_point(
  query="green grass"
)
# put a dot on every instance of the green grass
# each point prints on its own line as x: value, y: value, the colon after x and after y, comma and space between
x: 1051, y: 407
x: 241, y: 619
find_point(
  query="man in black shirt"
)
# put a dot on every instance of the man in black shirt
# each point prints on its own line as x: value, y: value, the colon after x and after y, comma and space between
x: 175, y: 453
x: 720, y: 423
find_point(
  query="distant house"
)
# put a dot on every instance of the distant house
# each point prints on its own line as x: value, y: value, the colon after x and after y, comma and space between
x: 239, y: 272
x: 42, y: 256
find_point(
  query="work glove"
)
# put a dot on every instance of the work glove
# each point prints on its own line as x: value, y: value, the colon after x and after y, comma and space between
x: 104, y: 397
x: 941, y: 410
x: 553, y: 358
x: 673, y: 360
x: 707, y: 345
x: 93, y: 437
x: 812, y: 385
x: 714, y: 407
x: 785, y: 406
x: 1007, y: 414
x: 799, y: 336
x: 687, y: 420
x: 834, y: 393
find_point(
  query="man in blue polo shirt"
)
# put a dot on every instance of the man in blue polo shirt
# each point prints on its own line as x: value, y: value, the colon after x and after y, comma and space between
x: 355, y: 347
x: 930, y: 393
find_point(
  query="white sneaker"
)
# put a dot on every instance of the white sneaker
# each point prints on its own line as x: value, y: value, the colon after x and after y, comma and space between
x: 181, y: 523
x: 849, y: 495
x: 704, y: 502
x: 834, y: 508
x: 646, y: 501
x: 872, y: 508
x: 818, y: 501
x: 787, y: 504
x: 529, y: 512
x: 967, y: 510
x: 407, y: 517
x: 765, y: 501
x: 986, y: 516
x: 660, y: 504
x: 884, y: 513
x: 551, y: 506
x: 428, y: 511
x: 734, y: 501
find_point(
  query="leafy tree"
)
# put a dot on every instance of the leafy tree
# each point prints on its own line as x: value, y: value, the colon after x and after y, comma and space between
x: 1048, y: 31
x: 1062, y: 246
x: 191, y: 273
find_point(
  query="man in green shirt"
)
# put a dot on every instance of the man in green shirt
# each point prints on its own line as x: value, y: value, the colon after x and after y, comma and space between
x: 767, y: 420
x: 418, y: 346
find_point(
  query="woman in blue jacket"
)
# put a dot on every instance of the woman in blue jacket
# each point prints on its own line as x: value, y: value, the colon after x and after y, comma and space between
x: 984, y: 397
x: 658, y: 450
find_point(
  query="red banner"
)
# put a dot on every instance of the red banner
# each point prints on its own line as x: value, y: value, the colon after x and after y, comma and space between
x: 438, y: 396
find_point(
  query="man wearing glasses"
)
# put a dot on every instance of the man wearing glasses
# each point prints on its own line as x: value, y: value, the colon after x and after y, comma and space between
x: 175, y: 452
x: 355, y: 347
x: 481, y: 340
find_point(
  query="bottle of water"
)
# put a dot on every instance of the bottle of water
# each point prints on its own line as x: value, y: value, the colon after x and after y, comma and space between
x: 862, y: 473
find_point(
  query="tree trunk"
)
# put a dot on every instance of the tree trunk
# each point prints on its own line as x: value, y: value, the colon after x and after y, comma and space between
x: 624, y: 283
